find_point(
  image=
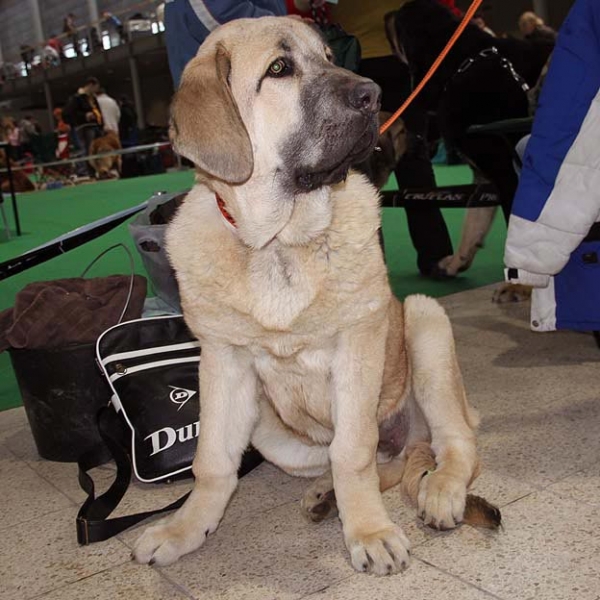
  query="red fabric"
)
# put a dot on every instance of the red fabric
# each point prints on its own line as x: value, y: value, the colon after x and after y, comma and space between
x: 292, y: 10
x: 62, y: 148
x: 55, y: 44
x: 450, y: 4
x: 307, y: 14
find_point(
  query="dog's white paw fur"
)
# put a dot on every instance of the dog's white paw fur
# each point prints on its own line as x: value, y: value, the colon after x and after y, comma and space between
x: 381, y: 553
x: 441, y: 500
x: 164, y: 543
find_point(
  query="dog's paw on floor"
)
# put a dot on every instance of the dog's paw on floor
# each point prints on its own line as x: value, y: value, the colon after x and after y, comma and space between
x: 382, y: 552
x: 169, y: 539
x: 319, y: 505
x: 509, y: 293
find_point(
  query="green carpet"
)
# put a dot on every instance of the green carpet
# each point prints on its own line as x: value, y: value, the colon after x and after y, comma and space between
x: 46, y: 215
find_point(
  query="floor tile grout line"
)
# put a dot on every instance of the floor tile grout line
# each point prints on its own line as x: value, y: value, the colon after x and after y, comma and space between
x: 51, y: 483
x: 66, y: 585
x: 40, y: 516
x: 72, y: 500
x: 11, y: 428
x: 456, y: 577
x: 413, y: 558
x: 25, y: 463
x: 515, y: 500
x: 223, y: 523
x: 75, y: 504
x: 290, y: 498
x: 561, y: 497
x: 328, y: 585
x: 178, y: 586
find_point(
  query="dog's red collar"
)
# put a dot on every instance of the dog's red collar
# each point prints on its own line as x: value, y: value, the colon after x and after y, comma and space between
x: 226, y: 214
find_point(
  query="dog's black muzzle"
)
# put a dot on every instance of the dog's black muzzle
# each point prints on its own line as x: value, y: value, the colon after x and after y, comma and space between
x: 340, y: 114
x: 365, y: 97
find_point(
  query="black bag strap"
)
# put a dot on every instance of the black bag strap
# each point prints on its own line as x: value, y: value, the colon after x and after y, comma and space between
x: 93, y: 524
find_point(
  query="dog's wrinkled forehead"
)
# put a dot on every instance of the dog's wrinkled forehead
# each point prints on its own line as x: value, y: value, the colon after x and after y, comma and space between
x: 228, y: 114
x: 254, y: 43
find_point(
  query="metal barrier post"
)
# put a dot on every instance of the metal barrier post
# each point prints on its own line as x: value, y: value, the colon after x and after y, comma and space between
x: 11, y: 185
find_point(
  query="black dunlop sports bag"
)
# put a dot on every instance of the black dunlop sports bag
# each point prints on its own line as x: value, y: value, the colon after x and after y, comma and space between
x: 151, y: 429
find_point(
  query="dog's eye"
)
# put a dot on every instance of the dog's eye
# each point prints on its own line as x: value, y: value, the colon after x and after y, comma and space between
x: 279, y: 68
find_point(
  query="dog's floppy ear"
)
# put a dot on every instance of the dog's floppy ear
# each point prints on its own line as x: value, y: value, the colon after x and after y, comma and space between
x: 206, y: 126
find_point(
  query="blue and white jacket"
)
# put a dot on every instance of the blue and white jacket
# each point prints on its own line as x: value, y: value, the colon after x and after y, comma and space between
x: 558, y: 199
x: 188, y: 23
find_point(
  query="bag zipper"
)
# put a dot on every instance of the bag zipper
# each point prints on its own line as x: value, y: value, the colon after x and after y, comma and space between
x: 122, y: 371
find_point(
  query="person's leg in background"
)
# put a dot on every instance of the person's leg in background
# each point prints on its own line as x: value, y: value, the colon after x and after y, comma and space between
x: 80, y: 167
x: 426, y: 225
x: 86, y: 135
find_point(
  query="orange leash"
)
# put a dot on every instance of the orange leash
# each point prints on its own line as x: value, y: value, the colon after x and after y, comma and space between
x: 434, y: 67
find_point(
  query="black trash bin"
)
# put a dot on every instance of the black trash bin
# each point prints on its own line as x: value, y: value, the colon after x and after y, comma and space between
x: 62, y: 390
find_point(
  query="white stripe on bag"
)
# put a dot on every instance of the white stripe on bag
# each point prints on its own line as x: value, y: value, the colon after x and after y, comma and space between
x: 153, y: 365
x: 150, y: 351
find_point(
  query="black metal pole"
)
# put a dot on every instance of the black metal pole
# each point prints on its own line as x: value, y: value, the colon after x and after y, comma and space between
x: 11, y: 186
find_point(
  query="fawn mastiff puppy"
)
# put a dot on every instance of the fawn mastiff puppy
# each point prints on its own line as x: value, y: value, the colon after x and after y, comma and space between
x: 305, y: 352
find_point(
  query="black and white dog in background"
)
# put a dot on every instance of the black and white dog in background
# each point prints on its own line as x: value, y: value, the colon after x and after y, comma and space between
x: 482, y: 80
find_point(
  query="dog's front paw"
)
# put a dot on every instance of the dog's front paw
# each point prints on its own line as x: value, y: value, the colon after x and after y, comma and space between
x: 162, y: 544
x: 382, y: 553
x: 441, y: 500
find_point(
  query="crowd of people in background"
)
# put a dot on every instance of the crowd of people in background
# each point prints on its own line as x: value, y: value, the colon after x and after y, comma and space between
x: 91, y: 112
x: 74, y: 41
x: 87, y: 115
x: 530, y: 25
x: 20, y: 135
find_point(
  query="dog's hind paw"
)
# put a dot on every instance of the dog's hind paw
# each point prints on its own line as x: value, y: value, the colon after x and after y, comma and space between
x: 381, y: 553
x: 164, y: 543
x: 317, y: 506
x: 441, y: 500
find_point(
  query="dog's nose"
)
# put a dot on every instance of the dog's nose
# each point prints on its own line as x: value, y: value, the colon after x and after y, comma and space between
x: 366, y: 97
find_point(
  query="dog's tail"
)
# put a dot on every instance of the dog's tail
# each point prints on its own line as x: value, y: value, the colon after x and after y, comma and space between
x: 420, y: 461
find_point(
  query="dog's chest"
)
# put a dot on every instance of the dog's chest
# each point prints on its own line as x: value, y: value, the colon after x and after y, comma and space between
x: 283, y: 283
x: 299, y: 388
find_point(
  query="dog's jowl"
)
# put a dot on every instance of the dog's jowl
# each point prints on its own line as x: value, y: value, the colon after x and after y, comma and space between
x: 305, y: 352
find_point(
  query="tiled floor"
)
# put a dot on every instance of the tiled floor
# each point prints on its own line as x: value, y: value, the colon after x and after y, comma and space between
x: 539, y: 396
